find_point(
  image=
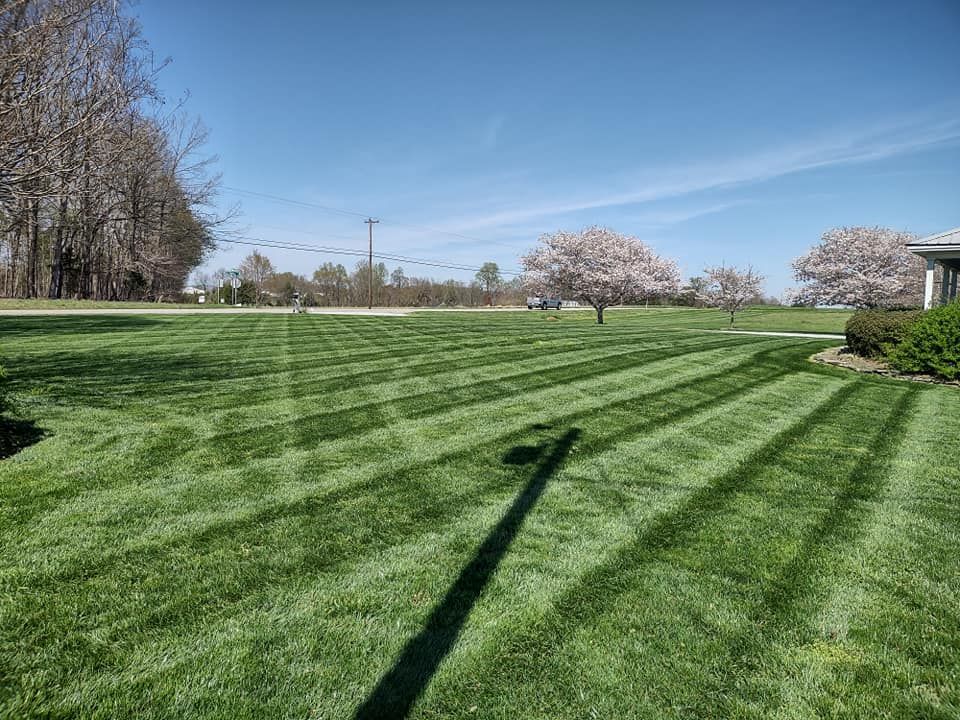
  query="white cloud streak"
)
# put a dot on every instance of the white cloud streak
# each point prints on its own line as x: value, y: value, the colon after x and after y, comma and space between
x: 851, y: 148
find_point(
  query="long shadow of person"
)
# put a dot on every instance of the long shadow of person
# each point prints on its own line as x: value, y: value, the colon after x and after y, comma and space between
x: 399, y: 688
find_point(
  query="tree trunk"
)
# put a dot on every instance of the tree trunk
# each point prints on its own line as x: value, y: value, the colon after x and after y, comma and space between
x: 731, y: 318
x: 56, y: 266
x: 600, y: 315
x: 34, y: 252
x: 15, y: 265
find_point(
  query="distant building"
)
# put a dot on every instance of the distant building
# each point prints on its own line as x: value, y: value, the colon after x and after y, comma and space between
x: 942, y: 249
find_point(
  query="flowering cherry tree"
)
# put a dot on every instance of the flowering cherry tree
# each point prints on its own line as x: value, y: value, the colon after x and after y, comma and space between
x: 860, y: 266
x: 730, y: 288
x: 598, y: 266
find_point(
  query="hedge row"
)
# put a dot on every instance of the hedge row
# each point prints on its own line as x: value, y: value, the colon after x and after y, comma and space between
x: 873, y: 333
x: 932, y: 345
x: 911, y: 340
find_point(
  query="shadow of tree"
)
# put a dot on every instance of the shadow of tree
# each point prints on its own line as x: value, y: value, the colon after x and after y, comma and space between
x: 15, y: 435
x: 399, y: 688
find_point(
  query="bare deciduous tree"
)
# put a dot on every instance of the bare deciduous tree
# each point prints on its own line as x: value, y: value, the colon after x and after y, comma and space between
x: 258, y: 269
x: 99, y: 197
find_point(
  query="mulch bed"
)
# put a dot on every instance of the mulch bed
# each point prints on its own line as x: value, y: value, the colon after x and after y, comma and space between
x: 843, y: 357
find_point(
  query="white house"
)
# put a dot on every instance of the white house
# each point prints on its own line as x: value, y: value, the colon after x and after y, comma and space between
x: 942, y: 249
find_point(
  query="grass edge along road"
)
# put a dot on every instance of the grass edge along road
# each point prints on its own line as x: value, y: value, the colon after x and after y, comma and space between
x: 688, y: 524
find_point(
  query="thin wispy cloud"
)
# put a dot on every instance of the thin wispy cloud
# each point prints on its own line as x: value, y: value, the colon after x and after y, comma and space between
x: 824, y: 152
x: 666, y: 218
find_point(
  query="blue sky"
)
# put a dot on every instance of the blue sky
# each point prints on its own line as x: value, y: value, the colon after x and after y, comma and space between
x: 716, y: 132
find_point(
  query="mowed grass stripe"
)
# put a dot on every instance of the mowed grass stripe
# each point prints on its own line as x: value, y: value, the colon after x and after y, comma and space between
x: 306, y: 429
x: 571, y: 534
x: 145, y: 574
x: 599, y: 589
x: 163, y: 441
x: 131, y: 377
x: 798, y: 587
x: 721, y: 530
x: 203, y: 540
x: 326, y: 381
x: 404, y: 488
x: 869, y: 626
x: 298, y: 572
x: 260, y: 341
x: 96, y: 513
x: 143, y: 377
x: 111, y: 379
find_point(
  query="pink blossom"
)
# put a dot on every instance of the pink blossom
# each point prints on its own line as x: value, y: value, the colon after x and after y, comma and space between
x: 598, y: 266
x: 862, y: 267
x: 730, y: 288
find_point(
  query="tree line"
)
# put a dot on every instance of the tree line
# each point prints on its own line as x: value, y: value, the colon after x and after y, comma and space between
x: 103, y: 194
x: 853, y: 266
x: 333, y: 285
x: 644, y: 277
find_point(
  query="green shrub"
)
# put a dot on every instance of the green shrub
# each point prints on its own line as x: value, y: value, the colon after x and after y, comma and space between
x: 933, y: 344
x: 872, y: 333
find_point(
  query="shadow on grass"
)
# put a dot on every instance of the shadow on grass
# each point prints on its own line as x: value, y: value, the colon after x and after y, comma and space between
x: 399, y: 688
x: 47, y: 325
x: 15, y: 435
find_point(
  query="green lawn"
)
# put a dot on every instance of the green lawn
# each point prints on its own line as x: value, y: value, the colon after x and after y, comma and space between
x: 754, y: 318
x: 758, y: 318
x: 496, y: 515
x: 45, y: 304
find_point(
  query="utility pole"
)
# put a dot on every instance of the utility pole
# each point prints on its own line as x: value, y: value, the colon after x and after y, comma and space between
x: 370, y: 223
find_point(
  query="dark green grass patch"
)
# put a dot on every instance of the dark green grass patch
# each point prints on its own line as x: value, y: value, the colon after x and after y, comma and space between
x: 470, y: 515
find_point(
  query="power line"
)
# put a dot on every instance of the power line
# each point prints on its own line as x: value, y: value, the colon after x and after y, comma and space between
x: 329, y: 250
x: 353, y: 213
x: 291, y: 245
x: 301, y: 231
x: 392, y: 256
x: 291, y: 201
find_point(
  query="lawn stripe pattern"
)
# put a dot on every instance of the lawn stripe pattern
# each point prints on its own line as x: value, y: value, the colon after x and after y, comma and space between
x: 485, y: 515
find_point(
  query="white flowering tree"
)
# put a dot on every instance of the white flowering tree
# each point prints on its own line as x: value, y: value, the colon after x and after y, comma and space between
x: 598, y: 266
x: 862, y: 267
x: 730, y: 288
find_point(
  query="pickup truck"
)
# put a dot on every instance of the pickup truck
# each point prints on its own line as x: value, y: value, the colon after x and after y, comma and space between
x: 543, y: 303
